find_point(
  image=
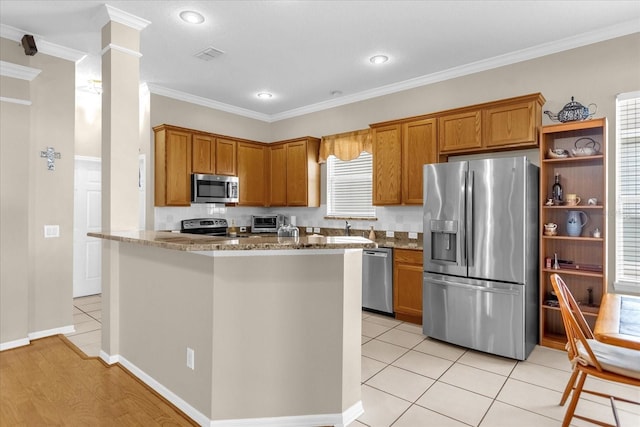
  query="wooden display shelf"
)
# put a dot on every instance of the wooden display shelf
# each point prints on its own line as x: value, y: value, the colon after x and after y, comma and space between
x: 576, y: 238
x: 588, y: 207
x: 574, y: 271
x: 574, y: 159
x: 556, y: 341
x: 585, y: 309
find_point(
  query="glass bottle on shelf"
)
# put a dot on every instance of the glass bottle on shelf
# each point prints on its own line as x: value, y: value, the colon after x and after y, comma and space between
x: 556, y: 190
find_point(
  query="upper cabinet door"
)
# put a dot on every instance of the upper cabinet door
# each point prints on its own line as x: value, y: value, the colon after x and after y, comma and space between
x: 175, y: 186
x: 387, y: 165
x: 515, y: 124
x: 419, y: 147
x: 461, y: 131
x: 226, y: 157
x: 252, y: 161
x: 297, y: 174
x: 278, y: 168
x: 203, y: 154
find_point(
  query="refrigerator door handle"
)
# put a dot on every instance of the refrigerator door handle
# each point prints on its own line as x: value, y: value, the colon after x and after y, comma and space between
x: 469, y: 215
x: 462, y: 243
x: 477, y: 288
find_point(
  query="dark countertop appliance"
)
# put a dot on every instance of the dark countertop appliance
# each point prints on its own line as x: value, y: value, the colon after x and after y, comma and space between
x: 206, y: 226
x: 266, y: 223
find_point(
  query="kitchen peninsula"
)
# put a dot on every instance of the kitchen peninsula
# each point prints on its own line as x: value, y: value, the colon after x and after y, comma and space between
x: 245, y: 331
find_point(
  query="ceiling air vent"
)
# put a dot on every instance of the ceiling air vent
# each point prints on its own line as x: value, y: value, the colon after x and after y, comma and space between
x: 208, y: 54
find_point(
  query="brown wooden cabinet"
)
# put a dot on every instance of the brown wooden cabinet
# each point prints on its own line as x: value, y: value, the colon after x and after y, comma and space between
x: 226, y: 160
x: 295, y: 173
x: 203, y: 154
x: 419, y: 147
x: 172, y: 166
x: 400, y: 149
x: 252, y: 173
x: 407, y: 285
x: 506, y: 124
x: 460, y: 131
x: 278, y: 172
x: 586, y: 177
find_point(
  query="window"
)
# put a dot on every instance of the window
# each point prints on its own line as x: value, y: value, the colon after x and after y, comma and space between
x: 628, y: 192
x: 349, y: 187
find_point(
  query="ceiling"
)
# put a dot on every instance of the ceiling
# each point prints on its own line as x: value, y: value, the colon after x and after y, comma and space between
x: 313, y: 55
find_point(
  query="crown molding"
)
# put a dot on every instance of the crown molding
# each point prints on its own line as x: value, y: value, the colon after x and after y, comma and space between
x: 205, y: 102
x: 15, y: 100
x: 16, y: 71
x: 44, y: 46
x: 110, y: 13
x: 112, y: 46
x: 603, y: 34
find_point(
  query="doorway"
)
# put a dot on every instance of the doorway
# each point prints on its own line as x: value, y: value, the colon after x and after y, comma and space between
x: 87, y: 213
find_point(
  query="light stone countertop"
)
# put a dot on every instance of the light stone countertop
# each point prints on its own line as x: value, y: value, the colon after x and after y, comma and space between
x: 196, y: 242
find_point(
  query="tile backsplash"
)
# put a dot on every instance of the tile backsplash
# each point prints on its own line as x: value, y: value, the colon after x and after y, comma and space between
x: 394, y: 218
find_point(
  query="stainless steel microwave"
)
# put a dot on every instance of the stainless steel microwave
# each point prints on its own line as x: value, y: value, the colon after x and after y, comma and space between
x: 214, y: 189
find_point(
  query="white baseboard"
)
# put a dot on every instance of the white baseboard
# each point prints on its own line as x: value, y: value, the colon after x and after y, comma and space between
x: 36, y: 335
x: 338, y: 420
x: 189, y: 410
x: 109, y: 360
x: 49, y: 332
x: 14, y: 344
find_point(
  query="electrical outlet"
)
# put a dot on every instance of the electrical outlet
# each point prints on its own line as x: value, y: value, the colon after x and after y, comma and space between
x: 51, y: 231
x: 309, y: 229
x: 243, y: 229
x: 390, y: 233
x: 191, y: 358
x: 316, y: 229
x: 413, y: 235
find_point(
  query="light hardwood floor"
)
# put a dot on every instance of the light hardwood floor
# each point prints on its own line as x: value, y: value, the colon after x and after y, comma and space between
x: 51, y: 382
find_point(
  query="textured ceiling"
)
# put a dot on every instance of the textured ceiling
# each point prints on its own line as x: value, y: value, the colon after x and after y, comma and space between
x: 302, y: 51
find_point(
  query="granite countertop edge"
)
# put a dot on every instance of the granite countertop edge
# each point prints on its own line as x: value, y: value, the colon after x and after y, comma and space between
x: 198, y: 243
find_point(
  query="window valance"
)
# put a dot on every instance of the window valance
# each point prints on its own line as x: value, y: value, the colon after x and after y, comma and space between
x: 345, y: 146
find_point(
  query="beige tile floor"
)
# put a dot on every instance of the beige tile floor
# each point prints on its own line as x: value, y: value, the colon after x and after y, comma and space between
x: 412, y: 381
x: 87, y: 319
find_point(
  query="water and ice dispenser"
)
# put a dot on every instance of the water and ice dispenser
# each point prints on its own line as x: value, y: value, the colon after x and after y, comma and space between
x: 444, y: 238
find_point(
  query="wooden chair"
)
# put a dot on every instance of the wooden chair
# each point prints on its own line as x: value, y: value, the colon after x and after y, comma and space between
x: 591, y: 357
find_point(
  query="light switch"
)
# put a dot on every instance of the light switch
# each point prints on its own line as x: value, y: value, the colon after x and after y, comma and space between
x: 316, y: 229
x: 309, y: 230
x: 413, y: 235
x: 390, y: 233
x: 51, y: 231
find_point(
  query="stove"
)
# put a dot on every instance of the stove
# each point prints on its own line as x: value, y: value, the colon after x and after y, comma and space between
x: 206, y: 226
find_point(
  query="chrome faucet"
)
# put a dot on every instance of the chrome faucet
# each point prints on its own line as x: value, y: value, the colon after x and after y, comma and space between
x: 347, y: 228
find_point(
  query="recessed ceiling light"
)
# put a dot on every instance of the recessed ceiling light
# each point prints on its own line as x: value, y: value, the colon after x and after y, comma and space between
x: 191, y: 17
x: 265, y: 95
x: 379, y: 59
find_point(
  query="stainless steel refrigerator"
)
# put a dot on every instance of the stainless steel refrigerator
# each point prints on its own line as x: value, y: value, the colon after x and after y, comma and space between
x: 480, y: 286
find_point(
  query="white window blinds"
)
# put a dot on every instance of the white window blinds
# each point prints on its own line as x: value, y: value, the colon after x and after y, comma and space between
x: 628, y: 192
x: 349, y: 187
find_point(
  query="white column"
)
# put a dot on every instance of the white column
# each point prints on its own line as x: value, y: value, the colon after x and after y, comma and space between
x: 120, y: 148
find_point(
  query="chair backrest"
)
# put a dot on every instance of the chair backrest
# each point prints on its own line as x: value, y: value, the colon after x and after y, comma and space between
x: 575, y: 325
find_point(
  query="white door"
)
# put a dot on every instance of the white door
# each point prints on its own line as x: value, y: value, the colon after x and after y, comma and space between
x: 87, y: 217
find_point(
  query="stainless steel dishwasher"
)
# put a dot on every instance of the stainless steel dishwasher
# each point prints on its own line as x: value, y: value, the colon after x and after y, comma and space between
x: 377, y: 280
